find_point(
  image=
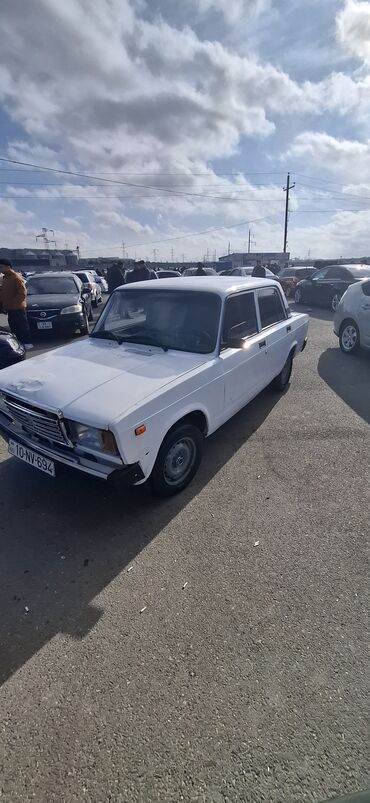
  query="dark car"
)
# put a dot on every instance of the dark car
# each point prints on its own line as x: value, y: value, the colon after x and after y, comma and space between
x: 193, y: 272
x: 57, y: 303
x: 326, y: 286
x: 11, y: 350
x: 289, y: 278
x: 167, y: 274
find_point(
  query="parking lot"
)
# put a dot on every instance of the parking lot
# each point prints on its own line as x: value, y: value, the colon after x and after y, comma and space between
x: 211, y: 647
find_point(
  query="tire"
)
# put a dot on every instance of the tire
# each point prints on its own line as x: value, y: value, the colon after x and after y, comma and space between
x: 185, y: 442
x: 349, y: 337
x: 334, y: 304
x: 298, y: 297
x: 91, y: 316
x: 84, y: 328
x: 282, y: 380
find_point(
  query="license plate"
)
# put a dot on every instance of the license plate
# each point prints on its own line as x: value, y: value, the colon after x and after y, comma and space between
x: 44, y: 325
x: 32, y: 458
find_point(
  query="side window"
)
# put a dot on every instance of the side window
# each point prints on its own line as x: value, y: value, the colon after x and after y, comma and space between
x: 337, y: 273
x: 320, y: 274
x: 240, y: 316
x: 270, y: 306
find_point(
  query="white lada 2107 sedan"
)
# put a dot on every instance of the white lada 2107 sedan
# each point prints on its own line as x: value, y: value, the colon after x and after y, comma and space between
x: 165, y: 366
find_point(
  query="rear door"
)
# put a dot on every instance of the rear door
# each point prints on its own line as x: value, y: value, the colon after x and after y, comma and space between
x: 244, y: 368
x: 276, y: 330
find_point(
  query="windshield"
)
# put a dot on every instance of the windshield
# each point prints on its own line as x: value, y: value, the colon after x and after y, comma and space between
x: 52, y: 285
x: 170, y: 319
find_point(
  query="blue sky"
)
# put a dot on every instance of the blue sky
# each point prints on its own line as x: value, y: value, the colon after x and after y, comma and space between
x: 194, y: 115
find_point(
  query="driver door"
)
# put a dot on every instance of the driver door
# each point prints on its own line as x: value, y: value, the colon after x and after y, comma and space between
x: 317, y: 286
x: 245, y: 369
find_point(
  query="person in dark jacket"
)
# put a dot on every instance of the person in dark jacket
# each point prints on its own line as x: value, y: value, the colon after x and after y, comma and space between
x: 13, y: 296
x: 115, y: 276
x: 200, y: 271
x: 140, y: 273
x: 259, y: 271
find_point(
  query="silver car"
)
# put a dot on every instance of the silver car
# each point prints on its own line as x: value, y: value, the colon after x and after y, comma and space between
x: 352, y: 318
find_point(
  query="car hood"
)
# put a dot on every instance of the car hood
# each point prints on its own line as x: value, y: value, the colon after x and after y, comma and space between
x: 51, y: 301
x: 97, y: 381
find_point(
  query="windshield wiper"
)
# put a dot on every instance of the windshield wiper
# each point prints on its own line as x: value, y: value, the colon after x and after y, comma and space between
x: 145, y: 341
x: 107, y: 336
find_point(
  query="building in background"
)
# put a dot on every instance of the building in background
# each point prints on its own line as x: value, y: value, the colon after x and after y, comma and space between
x: 37, y: 260
x: 267, y: 258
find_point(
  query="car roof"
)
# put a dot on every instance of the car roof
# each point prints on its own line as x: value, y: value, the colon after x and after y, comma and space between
x: 222, y: 285
x: 52, y: 273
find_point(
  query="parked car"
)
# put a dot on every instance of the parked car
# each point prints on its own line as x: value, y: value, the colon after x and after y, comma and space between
x: 164, y: 368
x: 193, y: 271
x: 57, y: 303
x: 90, y: 286
x: 326, y: 286
x: 245, y: 272
x: 11, y: 350
x: 289, y: 278
x: 167, y: 274
x: 103, y: 284
x: 352, y: 318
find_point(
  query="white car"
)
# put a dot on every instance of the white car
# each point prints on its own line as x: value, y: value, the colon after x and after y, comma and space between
x: 90, y: 285
x: 352, y: 318
x: 164, y: 368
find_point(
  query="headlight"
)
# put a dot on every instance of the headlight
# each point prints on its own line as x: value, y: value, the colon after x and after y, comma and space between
x: 101, y: 440
x: 71, y: 310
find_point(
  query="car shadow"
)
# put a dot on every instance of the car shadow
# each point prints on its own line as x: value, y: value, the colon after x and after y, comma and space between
x: 320, y: 313
x: 349, y: 376
x: 62, y: 542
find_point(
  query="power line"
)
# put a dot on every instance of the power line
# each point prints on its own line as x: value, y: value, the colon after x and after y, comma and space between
x: 108, y: 180
x: 127, y: 197
x: 183, y: 236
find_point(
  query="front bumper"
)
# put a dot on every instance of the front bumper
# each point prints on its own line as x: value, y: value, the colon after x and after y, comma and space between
x: 61, y: 324
x: 104, y: 468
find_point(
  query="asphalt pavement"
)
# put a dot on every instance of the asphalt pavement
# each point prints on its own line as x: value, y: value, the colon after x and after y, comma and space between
x: 209, y: 648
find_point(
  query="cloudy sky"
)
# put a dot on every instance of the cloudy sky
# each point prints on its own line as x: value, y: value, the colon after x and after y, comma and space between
x: 186, y: 118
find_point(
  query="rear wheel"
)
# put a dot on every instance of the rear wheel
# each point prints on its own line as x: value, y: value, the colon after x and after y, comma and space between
x: 282, y: 380
x: 178, y: 460
x: 298, y: 296
x: 349, y: 337
x: 335, y: 301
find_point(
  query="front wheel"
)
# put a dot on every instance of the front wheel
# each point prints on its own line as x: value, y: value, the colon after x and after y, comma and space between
x: 349, y: 337
x: 84, y: 328
x: 178, y: 460
x: 282, y: 380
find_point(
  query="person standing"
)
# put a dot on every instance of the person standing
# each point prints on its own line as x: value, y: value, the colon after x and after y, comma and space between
x: 13, y: 296
x: 200, y: 271
x: 115, y: 277
x: 140, y: 273
x: 259, y: 271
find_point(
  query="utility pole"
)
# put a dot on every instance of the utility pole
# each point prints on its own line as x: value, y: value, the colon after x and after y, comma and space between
x: 287, y: 189
x: 123, y: 249
x: 249, y: 241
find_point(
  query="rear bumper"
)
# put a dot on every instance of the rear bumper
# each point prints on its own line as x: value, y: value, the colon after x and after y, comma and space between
x: 110, y: 470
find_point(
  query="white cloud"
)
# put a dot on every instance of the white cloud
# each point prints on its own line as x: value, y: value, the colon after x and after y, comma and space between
x: 349, y: 160
x: 232, y: 10
x: 71, y: 223
x: 353, y: 29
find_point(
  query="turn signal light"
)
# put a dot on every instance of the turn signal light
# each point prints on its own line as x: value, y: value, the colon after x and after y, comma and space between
x: 140, y: 430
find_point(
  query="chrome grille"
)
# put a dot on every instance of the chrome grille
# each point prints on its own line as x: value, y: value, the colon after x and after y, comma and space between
x: 42, y: 314
x: 37, y: 422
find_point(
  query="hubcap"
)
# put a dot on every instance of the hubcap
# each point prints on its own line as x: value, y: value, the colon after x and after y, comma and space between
x: 179, y: 461
x: 349, y: 337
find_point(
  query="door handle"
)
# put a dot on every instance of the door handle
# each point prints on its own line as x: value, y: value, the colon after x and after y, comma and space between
x: 289, y: 328
x: 262, y: 344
